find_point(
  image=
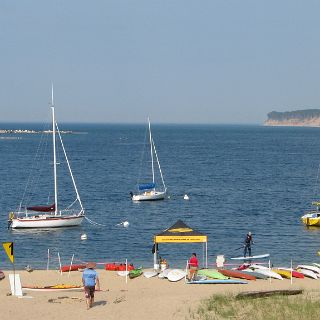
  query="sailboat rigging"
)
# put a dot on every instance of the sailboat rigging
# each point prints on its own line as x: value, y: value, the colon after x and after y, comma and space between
x: 50, y: 216
x: 148, y: 191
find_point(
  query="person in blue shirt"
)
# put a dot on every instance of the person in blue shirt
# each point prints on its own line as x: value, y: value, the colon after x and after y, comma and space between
x: 90, y: 282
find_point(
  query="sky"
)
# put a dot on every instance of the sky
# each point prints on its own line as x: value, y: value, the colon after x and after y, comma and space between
x: 177, y: 61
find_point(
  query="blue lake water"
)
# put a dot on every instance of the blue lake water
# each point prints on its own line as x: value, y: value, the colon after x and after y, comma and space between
x: 238, y: 178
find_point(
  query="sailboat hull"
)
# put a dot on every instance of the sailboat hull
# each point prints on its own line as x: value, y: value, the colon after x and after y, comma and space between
x: 46, y: 221
x: 149, y: 196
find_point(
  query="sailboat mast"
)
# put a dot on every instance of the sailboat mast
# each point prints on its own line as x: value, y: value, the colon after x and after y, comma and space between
x: 151, y: 151
x: 54, y: 156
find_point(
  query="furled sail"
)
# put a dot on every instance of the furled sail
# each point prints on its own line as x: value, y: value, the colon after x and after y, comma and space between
x: 43, y: 208
x: 147, y: 186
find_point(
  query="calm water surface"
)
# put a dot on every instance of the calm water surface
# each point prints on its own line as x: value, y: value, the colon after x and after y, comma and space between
x: 238, y: 178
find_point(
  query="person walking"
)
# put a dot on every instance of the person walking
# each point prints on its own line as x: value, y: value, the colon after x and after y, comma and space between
x: 247, y: 244
x: 193, y: 266
x: 90, y: 282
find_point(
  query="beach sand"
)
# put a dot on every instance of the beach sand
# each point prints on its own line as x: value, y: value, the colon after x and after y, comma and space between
x: 139, y: 299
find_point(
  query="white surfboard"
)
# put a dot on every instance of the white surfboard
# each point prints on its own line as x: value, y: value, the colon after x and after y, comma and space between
x: 150, y: 274
x: 176, y: 275
x: 260, y: 256
x: 123, y: 273
x: 164, y: 273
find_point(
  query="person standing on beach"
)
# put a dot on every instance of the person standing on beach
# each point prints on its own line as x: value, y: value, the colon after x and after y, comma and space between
x: 193, y: 266
x: 90, y: 282
x: 247, y: 244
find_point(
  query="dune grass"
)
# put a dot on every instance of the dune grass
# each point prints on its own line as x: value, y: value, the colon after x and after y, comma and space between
x: 218, y: 307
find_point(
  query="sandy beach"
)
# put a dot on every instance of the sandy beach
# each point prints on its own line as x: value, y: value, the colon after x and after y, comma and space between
x: 140, y: 298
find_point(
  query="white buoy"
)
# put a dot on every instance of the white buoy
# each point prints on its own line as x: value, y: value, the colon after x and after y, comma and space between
x: 186, y: 197
x: 126, y: 224
x: 84, y: 237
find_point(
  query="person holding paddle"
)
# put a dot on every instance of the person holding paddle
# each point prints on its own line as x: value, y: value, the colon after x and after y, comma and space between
x: 247, y: 244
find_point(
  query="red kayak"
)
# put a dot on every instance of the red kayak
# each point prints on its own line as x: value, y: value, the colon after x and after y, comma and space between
x: 295, y: 274
x: 236, y: 274
x: 118, y: 267
x: 74, y: 267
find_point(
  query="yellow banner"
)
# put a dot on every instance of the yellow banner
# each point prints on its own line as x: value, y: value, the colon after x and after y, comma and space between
x: 8, y: 248
x: 159, y: 239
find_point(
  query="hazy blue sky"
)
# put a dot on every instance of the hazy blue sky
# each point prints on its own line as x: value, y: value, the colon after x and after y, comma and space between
x: 227, y: 61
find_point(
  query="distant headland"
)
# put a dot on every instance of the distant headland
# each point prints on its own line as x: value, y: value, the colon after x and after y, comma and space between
x: 298, y: 118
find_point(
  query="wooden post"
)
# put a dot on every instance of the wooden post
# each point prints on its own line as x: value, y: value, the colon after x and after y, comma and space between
x: 59, y: 263
x: 48, y: 260
x: 70, y: 265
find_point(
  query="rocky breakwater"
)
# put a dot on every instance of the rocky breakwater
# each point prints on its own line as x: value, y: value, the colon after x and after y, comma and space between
x: 298, y: 118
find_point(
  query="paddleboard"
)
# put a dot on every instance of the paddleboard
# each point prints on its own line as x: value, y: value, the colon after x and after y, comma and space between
x: 211, y: 273
x: 218, y: 281
x: 176, y: 275
x: 261, y: 256
x: 199, y: 278
x: 164, y: 273
x: 150, y: 274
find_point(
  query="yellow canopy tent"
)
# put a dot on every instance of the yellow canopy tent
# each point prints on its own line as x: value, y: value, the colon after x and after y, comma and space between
x: 180, y: 233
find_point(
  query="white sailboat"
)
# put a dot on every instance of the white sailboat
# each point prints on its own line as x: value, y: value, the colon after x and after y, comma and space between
x: 148, y: 191
x: 50, y: 216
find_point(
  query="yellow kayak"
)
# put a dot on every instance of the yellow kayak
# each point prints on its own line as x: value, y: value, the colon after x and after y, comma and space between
x: 283, y: 273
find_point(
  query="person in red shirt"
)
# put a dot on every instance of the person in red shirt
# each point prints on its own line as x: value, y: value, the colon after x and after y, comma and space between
x: 193, y: 266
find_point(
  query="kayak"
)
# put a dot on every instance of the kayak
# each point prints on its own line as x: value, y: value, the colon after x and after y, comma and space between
x: 260, y: 256
x: 258, y: 266
x: 308, y: 273
x: 218, y: 281
x: 283, y: 273
x: 295, y: 273
x: 255, y: 274
x: 58, y: 287
x: 135, y: 273
x: 211, y: 273
x: 269, y: 273
x: 315, y: 269
x: 236, y: 274
x: 118, y: 267
x: 74, y: 267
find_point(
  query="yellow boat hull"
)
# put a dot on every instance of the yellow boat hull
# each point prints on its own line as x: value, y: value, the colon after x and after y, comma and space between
x: 283, y: 273
x: 311, y: 221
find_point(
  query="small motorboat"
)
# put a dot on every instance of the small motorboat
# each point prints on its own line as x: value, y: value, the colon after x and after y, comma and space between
x: 312, y: 218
